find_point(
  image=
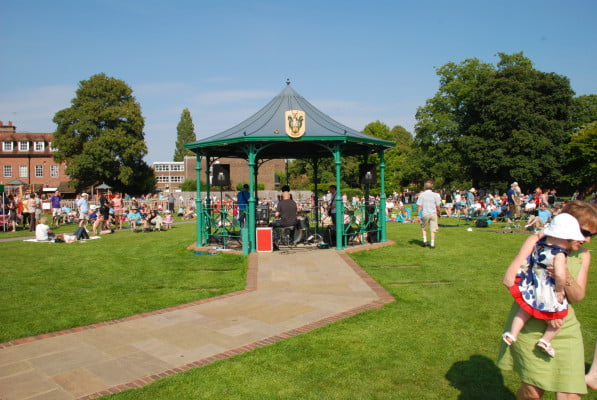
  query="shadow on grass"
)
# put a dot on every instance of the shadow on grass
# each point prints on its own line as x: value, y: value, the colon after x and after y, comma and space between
x: 478, y: 378
x: 416, y: 242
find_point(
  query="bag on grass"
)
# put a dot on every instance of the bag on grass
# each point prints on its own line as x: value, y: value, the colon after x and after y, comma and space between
x: 481, y: 223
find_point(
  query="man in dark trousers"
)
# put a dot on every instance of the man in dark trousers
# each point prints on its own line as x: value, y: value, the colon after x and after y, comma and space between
x: 243, y: 202
x: 286, y: 211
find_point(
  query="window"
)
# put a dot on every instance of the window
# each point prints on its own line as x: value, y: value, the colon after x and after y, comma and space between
x: 23, y: 171
x: 177, y: 167
x: 23, y: 145
x: 162, y: 167
x: 39, y: 146
x: 7, y: 145
x: 39, y: 171
x: 54, y: 171
x: 176, y: 179
x: 8, y: 171
x: 52, y: 148
x: 162, y: 179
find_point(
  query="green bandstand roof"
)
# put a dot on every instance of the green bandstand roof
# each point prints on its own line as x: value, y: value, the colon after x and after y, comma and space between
x: 267, y: 129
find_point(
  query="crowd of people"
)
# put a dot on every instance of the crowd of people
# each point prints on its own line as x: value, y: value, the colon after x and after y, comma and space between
x: 510, y: 206
x: 106, y: 213
x: 113, y: 210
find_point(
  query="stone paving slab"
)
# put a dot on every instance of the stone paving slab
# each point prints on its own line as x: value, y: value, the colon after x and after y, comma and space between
x: 293, y: 292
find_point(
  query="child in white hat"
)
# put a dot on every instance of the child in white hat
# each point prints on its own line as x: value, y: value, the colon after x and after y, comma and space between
x: 540, y: 292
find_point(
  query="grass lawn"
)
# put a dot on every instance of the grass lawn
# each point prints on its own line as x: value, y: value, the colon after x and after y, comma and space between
x: 47, y: 287
x: 438, y: 340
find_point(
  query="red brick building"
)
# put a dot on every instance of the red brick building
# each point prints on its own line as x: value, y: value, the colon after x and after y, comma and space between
x: 26, y: 160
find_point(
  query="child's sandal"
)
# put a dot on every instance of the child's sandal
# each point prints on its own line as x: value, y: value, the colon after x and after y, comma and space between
x: 508, y: 338
x: 546, y: 347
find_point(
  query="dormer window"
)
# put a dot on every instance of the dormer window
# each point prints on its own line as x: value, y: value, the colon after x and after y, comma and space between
x: 7, y: 145
x: 23, y: 145
x: 39, y: 145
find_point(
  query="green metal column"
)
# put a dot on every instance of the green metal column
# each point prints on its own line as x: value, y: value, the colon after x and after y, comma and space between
x: 200, y: 226
x: 339, y: 222
x: 208, y: 185
x: 252, y: 155
x: 382, y: 197
x: 316, y: 192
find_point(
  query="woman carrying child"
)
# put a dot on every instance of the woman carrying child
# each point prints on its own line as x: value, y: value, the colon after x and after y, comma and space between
x: 538, y: 372
x: 537, y: 292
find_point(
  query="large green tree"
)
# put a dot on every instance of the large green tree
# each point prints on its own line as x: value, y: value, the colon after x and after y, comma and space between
x: 584, y: 110
x: 185, y: 133
x: 582, y: 158
x: 498, y: 124
x: 581, y: 152
x: 100, y: 136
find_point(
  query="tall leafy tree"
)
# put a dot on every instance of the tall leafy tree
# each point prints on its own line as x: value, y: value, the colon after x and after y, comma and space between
x: 503, y: 123
x: 380, y: 130
x: 584, y: 110
x: 185, y: 133
x: 582, y: 158
x: 397, y: 157
x: 100, y: 136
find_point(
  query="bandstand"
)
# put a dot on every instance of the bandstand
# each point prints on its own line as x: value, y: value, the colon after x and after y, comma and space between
x: 288, y: 127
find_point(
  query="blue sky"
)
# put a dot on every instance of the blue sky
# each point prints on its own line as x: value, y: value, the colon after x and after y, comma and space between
x: 357, y: 61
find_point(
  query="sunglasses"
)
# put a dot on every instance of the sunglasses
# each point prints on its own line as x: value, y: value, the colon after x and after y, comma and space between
x: 587, y: 234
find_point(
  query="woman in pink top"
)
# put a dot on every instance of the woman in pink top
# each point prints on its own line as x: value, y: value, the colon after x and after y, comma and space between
x: 118, y: 207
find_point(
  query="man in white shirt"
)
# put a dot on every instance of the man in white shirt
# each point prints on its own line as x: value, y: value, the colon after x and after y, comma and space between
x: 43, y: 232
x: 428, y: 207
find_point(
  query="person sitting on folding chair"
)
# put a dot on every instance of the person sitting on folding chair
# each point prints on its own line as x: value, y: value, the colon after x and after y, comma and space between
x: 286, y: 212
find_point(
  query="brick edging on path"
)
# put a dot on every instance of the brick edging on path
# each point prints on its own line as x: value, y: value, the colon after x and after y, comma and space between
x: 384, y: 298
x: 251, y: 285
x: 252, y: 272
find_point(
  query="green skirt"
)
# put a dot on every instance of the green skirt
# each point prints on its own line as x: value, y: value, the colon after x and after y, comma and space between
x: 563, y: 373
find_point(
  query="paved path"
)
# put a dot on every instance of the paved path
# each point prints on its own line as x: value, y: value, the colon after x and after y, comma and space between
x: 287, y: 294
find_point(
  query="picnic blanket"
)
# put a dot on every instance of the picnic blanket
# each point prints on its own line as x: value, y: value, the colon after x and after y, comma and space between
x: 52, y: 241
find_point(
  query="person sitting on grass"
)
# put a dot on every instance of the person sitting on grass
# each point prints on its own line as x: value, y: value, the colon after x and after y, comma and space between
x: 189, y: 213
x: 153, y: 219
x: 43, y: 233
x: 134, y: 218
x: 537, y: 221
x: 538, y: 293
x: 403, y: 215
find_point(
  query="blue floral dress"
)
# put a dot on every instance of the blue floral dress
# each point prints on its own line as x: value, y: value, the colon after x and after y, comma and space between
x: 534, y: 290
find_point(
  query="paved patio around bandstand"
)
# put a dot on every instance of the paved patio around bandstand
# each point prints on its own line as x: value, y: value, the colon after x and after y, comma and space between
x: 288, y: 293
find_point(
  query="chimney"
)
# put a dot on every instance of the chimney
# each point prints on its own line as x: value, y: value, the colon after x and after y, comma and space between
x: 7, y: 128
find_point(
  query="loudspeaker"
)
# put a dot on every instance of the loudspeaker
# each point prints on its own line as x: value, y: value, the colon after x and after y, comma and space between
x: 368, y: 173
x: 220, y: 175
x: 262, y: 215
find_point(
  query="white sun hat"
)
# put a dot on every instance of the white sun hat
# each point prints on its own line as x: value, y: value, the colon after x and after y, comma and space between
x: 564, y: 226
